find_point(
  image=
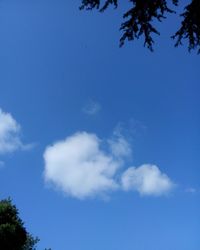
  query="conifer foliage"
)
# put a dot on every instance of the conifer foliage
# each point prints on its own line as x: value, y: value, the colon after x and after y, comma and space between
x: 140, y: 19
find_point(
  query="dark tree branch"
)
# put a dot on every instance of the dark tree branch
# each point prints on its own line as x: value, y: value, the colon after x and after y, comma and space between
x: 92, y: 4
x: 139, y: 20
x: 190, y: 27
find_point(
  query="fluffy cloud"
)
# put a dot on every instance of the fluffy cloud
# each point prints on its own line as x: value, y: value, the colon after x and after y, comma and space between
x: 92, y: 108
x: 80, y: 167
x: 9, y: 133
x: 147, y: 180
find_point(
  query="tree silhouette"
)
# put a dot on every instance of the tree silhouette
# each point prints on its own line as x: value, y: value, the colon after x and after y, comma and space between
x: 140, y: 18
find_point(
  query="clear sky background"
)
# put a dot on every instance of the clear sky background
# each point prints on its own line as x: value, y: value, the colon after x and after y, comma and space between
x: 62, y: 72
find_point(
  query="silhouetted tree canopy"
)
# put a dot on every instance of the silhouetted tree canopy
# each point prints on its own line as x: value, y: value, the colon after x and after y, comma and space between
x: 13, y: 234
x: 139, y: 20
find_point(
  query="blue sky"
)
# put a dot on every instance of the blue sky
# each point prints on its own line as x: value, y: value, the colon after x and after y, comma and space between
x: 98, y: 145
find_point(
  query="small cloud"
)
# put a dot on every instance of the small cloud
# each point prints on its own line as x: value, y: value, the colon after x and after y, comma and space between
x: 137, y: 127
x: 10, y: 130
x: 92, y: 108
x: 2, y: 164
x: 191, y: 190
x: 147, y: 180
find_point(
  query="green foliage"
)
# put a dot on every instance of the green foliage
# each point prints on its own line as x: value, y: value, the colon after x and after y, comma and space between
x: 140, y: 20
x: 13, y: 234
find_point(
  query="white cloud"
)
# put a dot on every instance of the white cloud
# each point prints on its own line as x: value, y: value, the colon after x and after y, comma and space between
x: 10, y: 134
x: 147, y: 180
x: 92, y: 108
x: 119, y: 146
x: 79, y: 167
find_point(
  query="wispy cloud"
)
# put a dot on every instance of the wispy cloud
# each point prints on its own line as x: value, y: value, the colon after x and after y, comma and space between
x: 119, y: 146
x: 10, y: 131
x: 2, y: 164
x: 191, y: 190
x: 91, y: 108
x: 82, y: 168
